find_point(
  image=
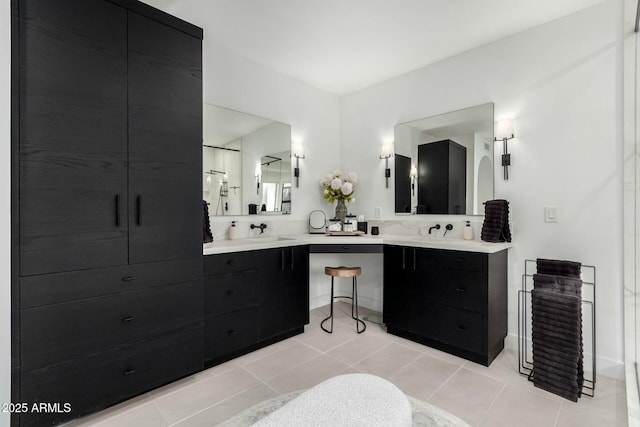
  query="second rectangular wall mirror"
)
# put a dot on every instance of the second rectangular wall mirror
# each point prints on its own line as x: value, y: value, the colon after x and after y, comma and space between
x: 453, y: 155
x: 246, y: 163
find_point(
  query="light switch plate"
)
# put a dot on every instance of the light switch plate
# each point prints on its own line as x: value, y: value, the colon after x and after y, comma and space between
x: 550, y: 214
x: 377, y: 213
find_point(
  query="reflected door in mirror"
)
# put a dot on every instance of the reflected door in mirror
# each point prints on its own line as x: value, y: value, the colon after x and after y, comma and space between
x: 402, y: 183
x: 442, y: 178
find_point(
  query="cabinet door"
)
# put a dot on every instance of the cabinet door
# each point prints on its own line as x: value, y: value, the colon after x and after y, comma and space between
x: 272, y: 313
x: 298, y: 287
x: 396, y: 287
x: 165, y: 142
x: 423, y: 276
x: 73, y: 135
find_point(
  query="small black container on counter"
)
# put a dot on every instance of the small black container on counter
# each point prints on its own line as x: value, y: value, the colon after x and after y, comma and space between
x: 375, y: 230
x: 363, y: 226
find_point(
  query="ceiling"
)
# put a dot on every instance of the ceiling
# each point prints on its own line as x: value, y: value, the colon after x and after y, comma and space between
x: 341, y: 46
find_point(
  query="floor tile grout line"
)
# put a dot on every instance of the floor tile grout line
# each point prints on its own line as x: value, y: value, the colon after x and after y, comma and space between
x: 493, y: 402
x: 558, y: 414
x: 353, y: 365
x: 444, y: 382
x: 212, y: 405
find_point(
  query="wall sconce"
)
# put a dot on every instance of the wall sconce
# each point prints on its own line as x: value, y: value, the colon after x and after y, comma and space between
x: 387, y: 152
x: 297, y: 153
x: 504, y: 132
x: 413, y: 174
x: 258, y: 174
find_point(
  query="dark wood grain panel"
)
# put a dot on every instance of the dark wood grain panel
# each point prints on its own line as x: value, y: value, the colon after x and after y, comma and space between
x: 60, y: 332
x: 165, y: 139
x: 230, y: 332
x: 230, y: 291
x: 90, y: 383
x: 73, y: 135
x: 77, y: 285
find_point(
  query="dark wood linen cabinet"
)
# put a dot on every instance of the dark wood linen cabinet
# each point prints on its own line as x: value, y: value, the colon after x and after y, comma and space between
x: 107, y: 134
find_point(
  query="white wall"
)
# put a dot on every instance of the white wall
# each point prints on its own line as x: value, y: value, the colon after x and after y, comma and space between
x: 5, y: 210
x: 562, y: 83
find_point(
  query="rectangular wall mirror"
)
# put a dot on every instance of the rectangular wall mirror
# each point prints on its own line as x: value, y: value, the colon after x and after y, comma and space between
x: 246, y: 163
x: 451, y: 155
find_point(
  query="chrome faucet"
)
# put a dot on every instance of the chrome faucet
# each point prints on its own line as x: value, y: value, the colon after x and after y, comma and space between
x: 437, y: 227
x: 261, y: 227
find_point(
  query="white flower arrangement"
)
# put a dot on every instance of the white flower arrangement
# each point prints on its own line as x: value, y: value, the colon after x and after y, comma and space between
x: 338, y: 187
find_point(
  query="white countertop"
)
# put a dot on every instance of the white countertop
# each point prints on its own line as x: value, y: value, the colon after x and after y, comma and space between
x: 240, y: 245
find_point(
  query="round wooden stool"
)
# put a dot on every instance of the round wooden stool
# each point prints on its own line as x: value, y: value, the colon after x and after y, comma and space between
x: 345, y: 272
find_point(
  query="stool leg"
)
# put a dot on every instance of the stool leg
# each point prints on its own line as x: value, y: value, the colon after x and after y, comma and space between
x: 355, y: 302
x: 330, y: 312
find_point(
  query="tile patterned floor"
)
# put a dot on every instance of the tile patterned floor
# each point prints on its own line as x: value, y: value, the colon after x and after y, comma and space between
x: 493, y: 396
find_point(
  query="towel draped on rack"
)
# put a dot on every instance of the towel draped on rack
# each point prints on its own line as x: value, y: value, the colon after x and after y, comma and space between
x: 207, y: 236
x: 557, y: 328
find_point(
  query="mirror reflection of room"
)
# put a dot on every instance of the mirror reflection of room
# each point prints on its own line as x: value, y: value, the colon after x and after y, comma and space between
x: 444, y: 163
x: 246, y: 163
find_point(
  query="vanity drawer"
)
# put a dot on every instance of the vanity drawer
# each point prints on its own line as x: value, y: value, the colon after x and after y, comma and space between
x: 458, y: 260
x: 461, y: 289
x: 230, y: 332
x: 230, y: 262
x: 230, y: 292
x: 120, y: 373
x: 460, y: 328
x: 60, y: 332
x: 76, y: 285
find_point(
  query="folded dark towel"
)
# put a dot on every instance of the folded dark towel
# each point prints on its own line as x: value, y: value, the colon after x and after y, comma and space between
x: 556, y: 300
x: 558, y: 267
x: 566, y: 285
x: 495, y: 227
x: 207, y: 236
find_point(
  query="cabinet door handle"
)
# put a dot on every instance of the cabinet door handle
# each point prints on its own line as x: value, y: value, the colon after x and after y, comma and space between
x: 282, y: 259
x: 230, y: 292
x: 138, y: 209
x: 128, y: 372
x: 128, y: 319
x: 292, y: 258
x: 117, y: 210
x: 414, y: 260
x: 230, y: 262
x: 461, y: 290
x: 461, y: 328
x: 460, y: 259
x: 231, y: 332
x: 127, y: 278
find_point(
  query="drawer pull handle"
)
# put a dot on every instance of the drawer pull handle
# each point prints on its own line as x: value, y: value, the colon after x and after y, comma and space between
x: 128, y: 372
x: 232, y: 332
x: 460, y: 259
x: 230, y: 262
x: 127, y: 278
x: 462, y: 328
x: 230, y: 292
x: 460, y: 290
x: 128, y: 319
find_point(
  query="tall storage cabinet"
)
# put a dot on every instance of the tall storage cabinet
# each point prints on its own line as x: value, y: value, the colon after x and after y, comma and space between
x: 107, y: 222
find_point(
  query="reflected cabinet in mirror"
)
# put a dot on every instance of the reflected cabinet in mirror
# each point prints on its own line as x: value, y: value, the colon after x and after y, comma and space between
x: 444, y: 163
x: 246, y: 163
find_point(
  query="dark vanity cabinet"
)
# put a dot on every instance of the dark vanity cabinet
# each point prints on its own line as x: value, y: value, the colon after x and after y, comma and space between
x: 452, y: 300
x: 107, y: 160
x: 442, y: 178
x: 253, y: 299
